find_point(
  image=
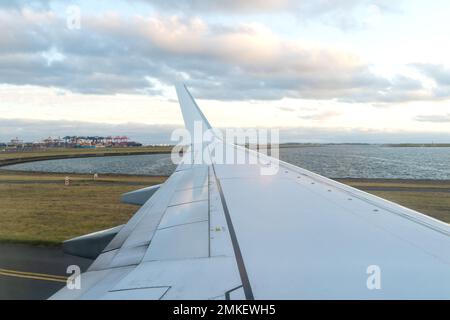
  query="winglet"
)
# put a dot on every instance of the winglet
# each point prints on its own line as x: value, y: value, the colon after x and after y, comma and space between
x: 190, y: 110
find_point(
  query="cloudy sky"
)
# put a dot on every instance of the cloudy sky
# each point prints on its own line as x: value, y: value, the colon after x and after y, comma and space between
x: 320, y: 70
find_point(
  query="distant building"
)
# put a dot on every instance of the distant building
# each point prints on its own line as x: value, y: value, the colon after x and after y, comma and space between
x: 99, y: 141
x: 17, y: 144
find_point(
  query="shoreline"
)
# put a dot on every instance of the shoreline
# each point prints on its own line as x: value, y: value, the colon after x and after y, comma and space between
x: 20, y: 172
x: 11, y: 161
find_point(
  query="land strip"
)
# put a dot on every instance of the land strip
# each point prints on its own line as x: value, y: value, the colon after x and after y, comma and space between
x: 38, y: 208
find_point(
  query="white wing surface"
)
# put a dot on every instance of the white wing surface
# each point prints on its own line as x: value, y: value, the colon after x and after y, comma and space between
x: 224, y: 231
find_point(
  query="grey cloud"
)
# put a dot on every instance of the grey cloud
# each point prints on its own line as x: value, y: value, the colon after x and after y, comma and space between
x: 407, y: 83
x: 347, y: 15
x: 19, y: 4
x: 433, y: 118
x: 344, y: 14
x: 437, y: 72
x: 237, y: 6
x: 304, y: 7
x: 110, y: 54
x: 440, y: 74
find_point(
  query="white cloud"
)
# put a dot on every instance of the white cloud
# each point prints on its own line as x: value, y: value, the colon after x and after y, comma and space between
x: 114, y: 54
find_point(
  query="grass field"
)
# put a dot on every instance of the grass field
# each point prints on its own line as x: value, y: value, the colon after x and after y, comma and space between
x: 430, y: 197
x: 37, y: 208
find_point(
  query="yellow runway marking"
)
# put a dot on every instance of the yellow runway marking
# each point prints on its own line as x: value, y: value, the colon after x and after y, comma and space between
x: 32, y: 275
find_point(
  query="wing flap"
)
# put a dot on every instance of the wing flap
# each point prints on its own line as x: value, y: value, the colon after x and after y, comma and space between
x: 90, y: 245
x: 140, y: 196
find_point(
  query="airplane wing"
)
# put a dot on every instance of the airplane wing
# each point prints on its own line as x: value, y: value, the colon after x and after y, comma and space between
x: 225, y: 231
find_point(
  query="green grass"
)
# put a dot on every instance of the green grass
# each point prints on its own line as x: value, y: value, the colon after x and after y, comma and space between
x: 36, y: 208
x: 434, y: 204
x: 396, y: 183
x: 48, y: 213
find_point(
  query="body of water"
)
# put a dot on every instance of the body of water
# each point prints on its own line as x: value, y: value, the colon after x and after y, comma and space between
x: 334, y: 161
x: 151, y: 164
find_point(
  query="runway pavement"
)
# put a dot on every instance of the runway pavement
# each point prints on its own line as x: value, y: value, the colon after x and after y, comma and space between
x: 33, y: 272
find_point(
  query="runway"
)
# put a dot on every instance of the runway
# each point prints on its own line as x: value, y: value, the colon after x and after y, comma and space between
x: 33, y: 272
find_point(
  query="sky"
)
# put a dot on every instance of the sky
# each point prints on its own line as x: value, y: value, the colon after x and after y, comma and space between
x: 319, y: 70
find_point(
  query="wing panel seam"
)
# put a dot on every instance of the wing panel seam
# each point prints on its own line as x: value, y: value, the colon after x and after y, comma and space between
x: 237, y: 251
